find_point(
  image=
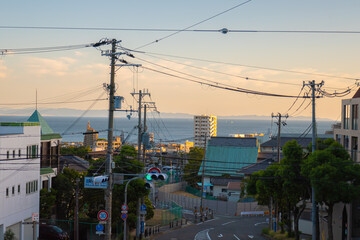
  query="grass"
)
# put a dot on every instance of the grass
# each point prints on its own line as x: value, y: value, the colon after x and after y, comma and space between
x: 276, y: 235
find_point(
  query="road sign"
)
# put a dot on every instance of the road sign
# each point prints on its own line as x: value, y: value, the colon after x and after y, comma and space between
x: 100, y: 227
x: 124, y: 216
x: 35, y: 217
x: 143, y: 212
x: 102, y: 215
x: 154, y: 170
x: 143, y: 207
x: 99, y: 232
x: 124, y: 207
x: 89, y: 182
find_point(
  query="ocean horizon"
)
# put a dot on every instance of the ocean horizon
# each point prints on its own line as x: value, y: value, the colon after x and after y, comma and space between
x: 167, y: 129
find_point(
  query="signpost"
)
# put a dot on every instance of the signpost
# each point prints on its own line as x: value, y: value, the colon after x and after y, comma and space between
x: 99, y: 229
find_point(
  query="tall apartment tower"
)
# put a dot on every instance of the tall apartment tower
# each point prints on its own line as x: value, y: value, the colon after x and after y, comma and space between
x: 204, y: 126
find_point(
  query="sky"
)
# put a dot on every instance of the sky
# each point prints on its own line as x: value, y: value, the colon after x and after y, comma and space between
x: 74, y: 78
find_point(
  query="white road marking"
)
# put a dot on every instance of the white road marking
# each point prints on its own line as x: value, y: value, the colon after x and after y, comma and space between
x: 203, y: 235
x: 199, y: 223
x: 227, y: 223
x: 236, y: 237
x: 250, y: 236
x: 260, y: 223
x: 220, y: 235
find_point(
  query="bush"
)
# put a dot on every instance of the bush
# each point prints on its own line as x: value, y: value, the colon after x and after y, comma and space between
x: 265, y: 231
x: 9, y: 235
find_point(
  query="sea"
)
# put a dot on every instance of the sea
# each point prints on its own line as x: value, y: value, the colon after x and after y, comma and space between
x: 176, y: 130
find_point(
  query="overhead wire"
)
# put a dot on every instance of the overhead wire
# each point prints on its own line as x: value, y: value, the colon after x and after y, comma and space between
x: 193, y: 25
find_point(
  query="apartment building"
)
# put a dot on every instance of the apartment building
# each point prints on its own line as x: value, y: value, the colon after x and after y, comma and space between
x: 205, y: 126
x: 19, y: 177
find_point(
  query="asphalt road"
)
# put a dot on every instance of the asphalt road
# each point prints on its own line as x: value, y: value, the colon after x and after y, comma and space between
x: 220, y: 228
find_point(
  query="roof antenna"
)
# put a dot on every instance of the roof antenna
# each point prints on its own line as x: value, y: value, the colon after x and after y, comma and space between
x: 36, y: 100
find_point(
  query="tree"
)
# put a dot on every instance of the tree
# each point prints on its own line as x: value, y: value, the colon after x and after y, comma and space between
x: 295, y: 186
x: 65, y: 186
x: 81, y: 151
x: 191, y: 169
x: 334, y: 177
x: 47, y: 202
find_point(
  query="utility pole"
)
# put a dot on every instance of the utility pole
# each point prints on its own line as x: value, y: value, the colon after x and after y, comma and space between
x: 313, y: 86
x: 76, y: 227
x: 140, y: 133
x: 279, y: 123
x: 202, y: 183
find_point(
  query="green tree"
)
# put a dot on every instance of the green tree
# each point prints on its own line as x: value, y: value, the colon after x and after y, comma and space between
x: 191, y: 169
x: 47, y: 202
x: 65, y: 186
x: 81, y: 151
x: 334, y: 177
x: 295, y: 187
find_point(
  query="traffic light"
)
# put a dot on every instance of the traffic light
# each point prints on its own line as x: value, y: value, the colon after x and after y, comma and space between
x: 148, y: 185
x: 156, y: 176
x: 101, y: 179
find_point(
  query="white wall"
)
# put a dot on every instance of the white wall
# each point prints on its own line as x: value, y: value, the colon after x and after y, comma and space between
x: 15, y: 171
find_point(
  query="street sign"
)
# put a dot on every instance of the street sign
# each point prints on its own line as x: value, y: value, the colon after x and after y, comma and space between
x: 89, y: 182
x: 143, y: 207
x: 99, y: 232
x: 124, y: 216
x: 35, y: 217
x: 154, y: 170
x: 124, y: 207
x: 143, y: 212
x: 100, y: 227
x: 102, y: 215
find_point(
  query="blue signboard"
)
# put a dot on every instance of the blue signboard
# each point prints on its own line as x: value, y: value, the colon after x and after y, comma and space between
x: 89, y: 182
x: 99, y: 227
x: 143, y: 207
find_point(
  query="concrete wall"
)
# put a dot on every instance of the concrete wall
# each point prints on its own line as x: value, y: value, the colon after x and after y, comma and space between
x: 219, y: 207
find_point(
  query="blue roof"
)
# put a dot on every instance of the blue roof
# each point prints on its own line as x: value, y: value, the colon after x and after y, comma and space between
x: 228, y: 159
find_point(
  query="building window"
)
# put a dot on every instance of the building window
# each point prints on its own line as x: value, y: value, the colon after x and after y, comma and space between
x: 7, y: 154
x: 354, y: 148
x: 346, y: 116
x: 346, y: 142
x: 14, y: 154
x: 338, y: 138
x: 13, y: 190
x: 19, y: 188
x: 7, y: 192
x: 19, y: 152
x: 32, y: 186
x: 354, y: 117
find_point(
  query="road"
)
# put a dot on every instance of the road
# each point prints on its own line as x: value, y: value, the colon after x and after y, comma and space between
x: 220, y: 228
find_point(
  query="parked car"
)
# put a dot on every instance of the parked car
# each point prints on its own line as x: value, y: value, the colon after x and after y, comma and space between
x: 47, y: 232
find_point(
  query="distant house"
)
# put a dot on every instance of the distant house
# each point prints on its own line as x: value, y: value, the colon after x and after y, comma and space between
x: 224, y: 157
x: 49, y: 150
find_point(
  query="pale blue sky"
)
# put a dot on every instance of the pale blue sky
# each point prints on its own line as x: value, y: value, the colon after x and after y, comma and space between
x: 57, y: 73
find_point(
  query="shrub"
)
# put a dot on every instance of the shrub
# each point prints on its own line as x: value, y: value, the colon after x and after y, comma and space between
x: 265, y: 231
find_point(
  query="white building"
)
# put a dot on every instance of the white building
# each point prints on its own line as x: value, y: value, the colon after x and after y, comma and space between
x: 204, y: 126
x: 19, y: 178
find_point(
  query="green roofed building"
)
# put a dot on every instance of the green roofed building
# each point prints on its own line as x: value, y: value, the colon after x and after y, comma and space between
x: 225, y: 156
x: 49, y: 150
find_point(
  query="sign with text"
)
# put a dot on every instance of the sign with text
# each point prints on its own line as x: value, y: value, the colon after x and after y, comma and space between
x: 89, y: 182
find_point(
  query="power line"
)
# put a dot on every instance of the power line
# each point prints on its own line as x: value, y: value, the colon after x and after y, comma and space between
x: 223, y: 30
x: 193, y: 25
x: 249, y: 66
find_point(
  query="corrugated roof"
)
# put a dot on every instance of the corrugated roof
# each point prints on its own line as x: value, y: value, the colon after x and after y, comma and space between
x: 304, y: 142
x: 250, y: 169
x: 46, y: 130
x: 233, y: 142
x: 221, y: 181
